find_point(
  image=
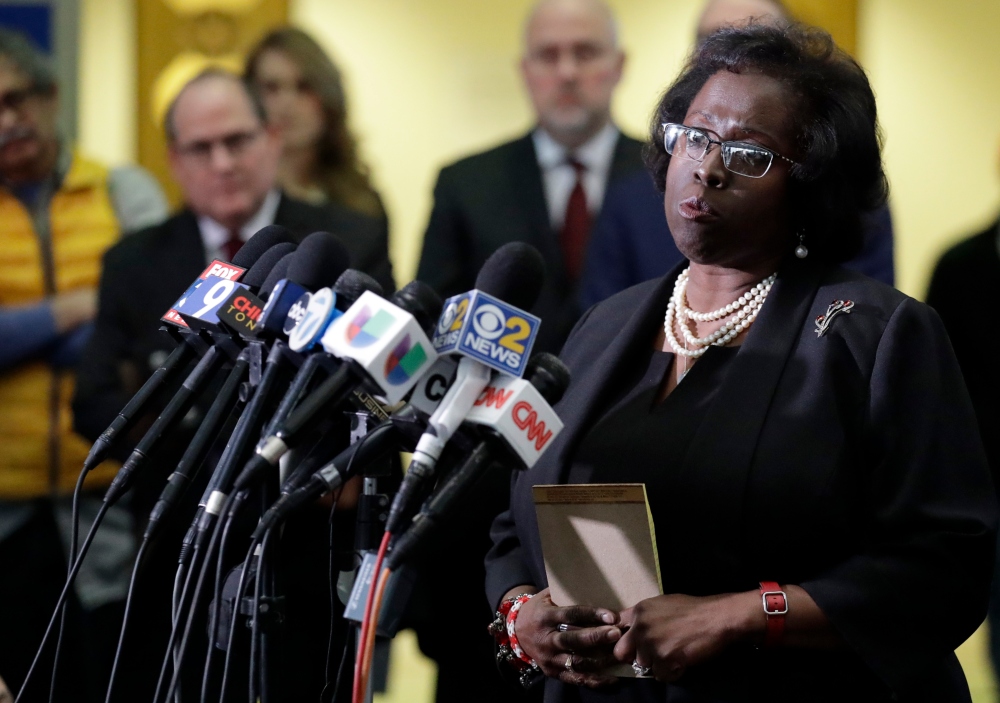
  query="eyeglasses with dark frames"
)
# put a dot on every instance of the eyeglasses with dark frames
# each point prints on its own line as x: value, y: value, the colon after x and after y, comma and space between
x: 743, y: 158
x: 235, y: 144
x: 16, y: 99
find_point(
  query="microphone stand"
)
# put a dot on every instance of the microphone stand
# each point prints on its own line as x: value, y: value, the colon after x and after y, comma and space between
x: 373, y: 508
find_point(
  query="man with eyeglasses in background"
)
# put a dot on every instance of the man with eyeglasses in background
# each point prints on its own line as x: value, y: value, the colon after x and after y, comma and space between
x: 544, y: 188
x: 225, y: 158
x: 59, y: 212
x: 631, y: 242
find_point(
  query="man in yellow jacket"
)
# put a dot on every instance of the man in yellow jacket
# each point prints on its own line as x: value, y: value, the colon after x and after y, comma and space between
x: 59, y: 212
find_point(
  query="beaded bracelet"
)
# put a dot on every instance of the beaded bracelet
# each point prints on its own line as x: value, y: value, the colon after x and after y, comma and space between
x: 508, y: 649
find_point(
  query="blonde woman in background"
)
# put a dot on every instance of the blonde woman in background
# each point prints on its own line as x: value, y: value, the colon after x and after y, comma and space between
x: 303, y: 94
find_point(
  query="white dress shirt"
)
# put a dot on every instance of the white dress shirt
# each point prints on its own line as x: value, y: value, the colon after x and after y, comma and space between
x: 559, y: 178
x: 214, y: 235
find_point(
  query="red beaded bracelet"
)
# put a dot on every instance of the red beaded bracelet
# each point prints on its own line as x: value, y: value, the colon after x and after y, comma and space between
x: 508, y: 649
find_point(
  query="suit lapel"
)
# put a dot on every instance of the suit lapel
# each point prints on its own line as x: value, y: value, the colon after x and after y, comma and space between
x: 184, y: 245
x: 529, y: 191
x: 628, y: 152
x: 714, y: 472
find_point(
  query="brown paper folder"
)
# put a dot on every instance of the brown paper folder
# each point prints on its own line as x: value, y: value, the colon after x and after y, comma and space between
x: 599, y: 546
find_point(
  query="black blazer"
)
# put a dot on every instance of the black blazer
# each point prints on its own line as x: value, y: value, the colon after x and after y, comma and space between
x: 145, y: 273
x: 966, y: 282
x: 487, y: 200
x: 848, y: 464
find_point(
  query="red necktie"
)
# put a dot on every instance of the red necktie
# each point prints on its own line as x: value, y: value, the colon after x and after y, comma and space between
x: 576, y: 226
x: 232, y: 245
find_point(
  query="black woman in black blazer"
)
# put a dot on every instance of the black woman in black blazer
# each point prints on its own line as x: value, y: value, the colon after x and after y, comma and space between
x: 847, y: 463
x: 834, y: 453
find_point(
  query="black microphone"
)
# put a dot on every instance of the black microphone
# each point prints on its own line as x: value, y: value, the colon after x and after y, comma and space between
x: 519, y: 430
x: 190, y: 346
x: 319, y: 259
x: 322, y: 259
x: 382, y: 344
x: 215, y: 357
x: 474, y: 325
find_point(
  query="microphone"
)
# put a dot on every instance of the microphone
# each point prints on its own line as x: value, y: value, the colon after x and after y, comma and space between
x: 189, y: 347
x: 322, y: 258
x: 381, y: 343
x: 246, y: 257
x: 195, y: 383
x: 474, y: 325
x: 200, y: 310
x: 518, y: 424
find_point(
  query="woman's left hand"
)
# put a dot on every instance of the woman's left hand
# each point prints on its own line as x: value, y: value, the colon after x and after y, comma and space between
x: 670, y: 633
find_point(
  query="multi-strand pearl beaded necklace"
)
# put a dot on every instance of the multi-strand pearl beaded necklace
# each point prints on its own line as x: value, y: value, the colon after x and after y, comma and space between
x: 741, y: 313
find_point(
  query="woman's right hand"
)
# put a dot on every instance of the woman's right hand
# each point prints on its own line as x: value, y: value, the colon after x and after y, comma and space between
x: 588, y: 645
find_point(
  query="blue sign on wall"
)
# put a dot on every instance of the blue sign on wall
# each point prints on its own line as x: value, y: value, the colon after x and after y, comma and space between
x: 33, y: 20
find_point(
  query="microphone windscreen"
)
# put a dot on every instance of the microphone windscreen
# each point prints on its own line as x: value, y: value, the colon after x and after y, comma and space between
x: 279, y: 271
x: 255, y: 247
x: 421, y: 301
x: 549, y: 375
x: 514, y: 273
x: 259, y: 272
x: 320, y: 259
x: 351, y: 284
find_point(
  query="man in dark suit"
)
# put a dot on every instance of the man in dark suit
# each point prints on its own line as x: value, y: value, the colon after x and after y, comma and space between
x: 965, y: 283
x: 225, y: 158
x: 545, y: 187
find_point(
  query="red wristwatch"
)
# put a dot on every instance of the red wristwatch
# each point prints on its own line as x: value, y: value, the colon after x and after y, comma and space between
x: 775, y: 607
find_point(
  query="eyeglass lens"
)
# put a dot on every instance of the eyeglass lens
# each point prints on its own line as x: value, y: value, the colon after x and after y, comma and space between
x: 15, y: 99
x: 234, y: 144
x: 743, y: 159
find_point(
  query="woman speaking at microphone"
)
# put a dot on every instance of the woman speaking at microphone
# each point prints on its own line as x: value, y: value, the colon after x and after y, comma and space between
x: 801, y: 430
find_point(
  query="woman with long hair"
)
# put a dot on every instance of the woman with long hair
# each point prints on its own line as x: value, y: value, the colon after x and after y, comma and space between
x: 303, y: 95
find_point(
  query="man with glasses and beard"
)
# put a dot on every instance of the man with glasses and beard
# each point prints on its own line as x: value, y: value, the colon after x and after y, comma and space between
x: 59, y: 212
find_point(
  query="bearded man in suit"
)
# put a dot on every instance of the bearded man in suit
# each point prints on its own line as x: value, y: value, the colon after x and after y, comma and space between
x: 545, y: 187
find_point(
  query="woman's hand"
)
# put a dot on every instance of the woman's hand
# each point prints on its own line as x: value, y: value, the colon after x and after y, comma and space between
x: 670, y: 633
x: 588, y: 644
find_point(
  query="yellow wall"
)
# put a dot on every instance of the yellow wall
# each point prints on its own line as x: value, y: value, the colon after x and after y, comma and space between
x: 434, y: 80
x: 106, y: 75
x: 430, y: 81
x: 936, y: 72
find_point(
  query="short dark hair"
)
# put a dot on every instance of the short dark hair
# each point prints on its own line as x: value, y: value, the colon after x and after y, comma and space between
x: 170, y: 128
x: 839, y: 174
x: 28, y: 59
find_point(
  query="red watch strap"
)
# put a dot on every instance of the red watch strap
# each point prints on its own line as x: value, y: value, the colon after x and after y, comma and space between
x: 775, y: 607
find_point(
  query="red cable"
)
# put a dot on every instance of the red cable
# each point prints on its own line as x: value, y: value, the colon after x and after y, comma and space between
x: 358, y: 694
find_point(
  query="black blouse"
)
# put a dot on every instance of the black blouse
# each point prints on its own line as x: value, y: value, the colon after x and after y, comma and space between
x: 641, y: 441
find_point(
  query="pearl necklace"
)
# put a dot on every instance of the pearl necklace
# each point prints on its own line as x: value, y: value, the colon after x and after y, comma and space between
x: 742, y: 312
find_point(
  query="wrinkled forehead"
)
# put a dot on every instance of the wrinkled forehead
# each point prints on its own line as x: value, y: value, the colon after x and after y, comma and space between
x: 213, y: 108
x: 569, y: 22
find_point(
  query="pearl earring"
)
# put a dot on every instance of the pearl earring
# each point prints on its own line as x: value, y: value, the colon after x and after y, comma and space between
x: 801, y: 251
